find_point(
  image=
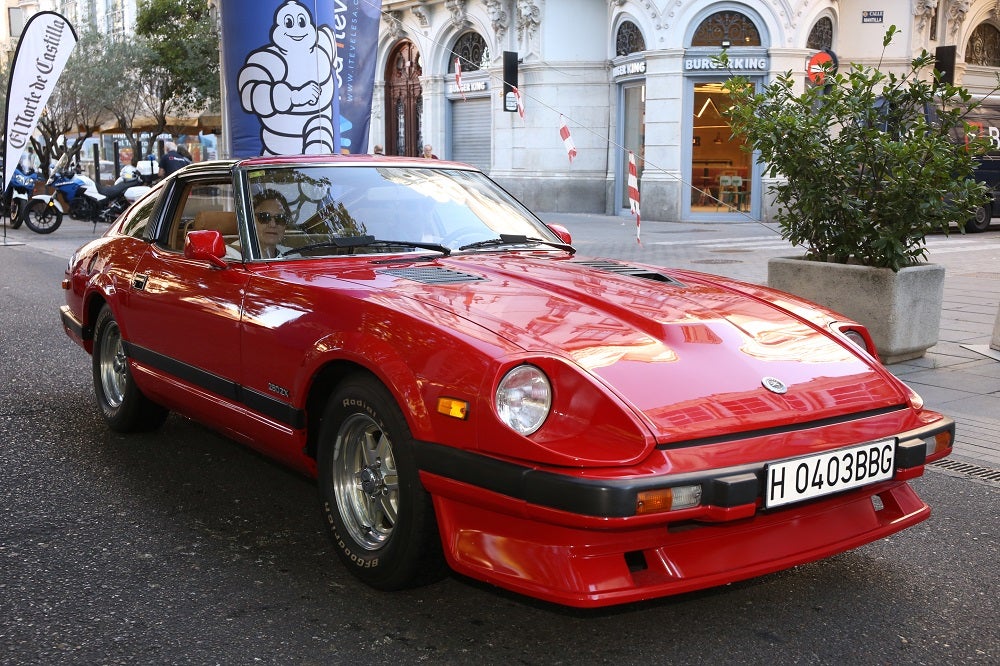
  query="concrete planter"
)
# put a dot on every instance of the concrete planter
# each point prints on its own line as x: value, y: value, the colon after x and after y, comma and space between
x: 901, y: 310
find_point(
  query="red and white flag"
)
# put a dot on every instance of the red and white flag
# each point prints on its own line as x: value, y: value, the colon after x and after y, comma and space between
x: 567, y: 139
x: 633, y: 191
x: 458, y: 76
x: 520, y: 102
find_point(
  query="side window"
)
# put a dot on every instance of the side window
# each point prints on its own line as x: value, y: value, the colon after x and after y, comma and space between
x: 138, y: 218
x: 204, y: 204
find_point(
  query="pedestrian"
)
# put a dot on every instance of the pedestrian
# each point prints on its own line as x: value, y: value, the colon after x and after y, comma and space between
x: 378, y: 150
x: 429, y: 152
x: 171, y: 160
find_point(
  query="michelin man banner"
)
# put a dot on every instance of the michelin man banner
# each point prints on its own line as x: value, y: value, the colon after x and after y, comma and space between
x: 299, y: 75
x: 46, y: 43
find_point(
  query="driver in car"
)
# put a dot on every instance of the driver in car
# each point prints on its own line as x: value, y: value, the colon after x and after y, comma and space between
x: 272, y: 215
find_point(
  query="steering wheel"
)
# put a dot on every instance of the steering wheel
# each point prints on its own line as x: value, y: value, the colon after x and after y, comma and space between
x: 472, y: 232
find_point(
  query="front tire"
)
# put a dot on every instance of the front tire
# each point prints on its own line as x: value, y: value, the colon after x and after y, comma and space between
x: 17, y: 211
x: 981, y: 220
x: 122, y: 404
x: 380, y: 517
x: 43, y: 218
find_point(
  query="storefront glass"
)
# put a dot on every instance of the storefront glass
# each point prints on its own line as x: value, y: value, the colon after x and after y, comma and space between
x: 721, y: 173
x: 633, y: 106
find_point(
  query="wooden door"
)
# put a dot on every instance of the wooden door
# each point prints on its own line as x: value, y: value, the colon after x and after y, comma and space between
x: 404, y: 101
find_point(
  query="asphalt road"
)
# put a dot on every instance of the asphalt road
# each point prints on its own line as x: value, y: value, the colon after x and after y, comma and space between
x: 182, y: 547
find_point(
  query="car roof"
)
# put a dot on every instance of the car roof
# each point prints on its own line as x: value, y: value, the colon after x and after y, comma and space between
x: 338, y: 160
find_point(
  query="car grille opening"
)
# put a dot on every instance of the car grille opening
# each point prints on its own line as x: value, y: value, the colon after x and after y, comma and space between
x: 636, y: 561
x: 432, y: 275
x: 626, y: 269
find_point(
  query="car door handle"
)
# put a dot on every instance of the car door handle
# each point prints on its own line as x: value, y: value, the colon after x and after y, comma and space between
x: 139, y: 281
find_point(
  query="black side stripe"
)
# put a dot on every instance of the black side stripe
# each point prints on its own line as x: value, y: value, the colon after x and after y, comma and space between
x: 273, y: 408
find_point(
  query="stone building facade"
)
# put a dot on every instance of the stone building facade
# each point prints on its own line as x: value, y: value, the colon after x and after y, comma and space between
x: 633, y: 75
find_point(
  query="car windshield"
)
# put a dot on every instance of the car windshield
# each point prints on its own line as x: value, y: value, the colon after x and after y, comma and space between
x: 320, y: 210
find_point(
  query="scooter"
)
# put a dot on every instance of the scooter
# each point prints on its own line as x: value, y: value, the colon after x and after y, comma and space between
x: 22, y: 187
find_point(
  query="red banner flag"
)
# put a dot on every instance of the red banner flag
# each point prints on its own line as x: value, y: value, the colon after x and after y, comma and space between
x: 633, y: 191
x: 567, y: 139
x: 458, y: 76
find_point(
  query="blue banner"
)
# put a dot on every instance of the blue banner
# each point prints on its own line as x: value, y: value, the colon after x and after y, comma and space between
x: 281, y: 82
x: 356, y: 30
x: 299, y: 75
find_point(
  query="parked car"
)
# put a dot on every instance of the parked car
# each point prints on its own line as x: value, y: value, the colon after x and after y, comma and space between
x: 468, y: 390
x: 988, y: 171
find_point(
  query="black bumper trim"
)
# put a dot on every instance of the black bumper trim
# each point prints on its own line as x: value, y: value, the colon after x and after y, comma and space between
x: 72, y: 324
x: 616, y: 498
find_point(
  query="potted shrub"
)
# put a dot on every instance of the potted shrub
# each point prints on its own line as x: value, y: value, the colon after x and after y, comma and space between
x: 866, y: 165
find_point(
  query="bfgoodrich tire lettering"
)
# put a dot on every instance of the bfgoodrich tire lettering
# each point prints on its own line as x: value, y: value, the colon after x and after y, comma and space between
x: 122, y: 404
x: 380, y: 517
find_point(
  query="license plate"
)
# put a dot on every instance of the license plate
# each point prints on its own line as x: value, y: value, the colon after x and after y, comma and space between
x: 800, y: 479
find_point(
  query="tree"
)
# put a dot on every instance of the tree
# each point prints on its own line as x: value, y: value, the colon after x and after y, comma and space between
x: 78, y: 103
x: 126, y: 93
x: 182, y: 72
x: 872, y: 162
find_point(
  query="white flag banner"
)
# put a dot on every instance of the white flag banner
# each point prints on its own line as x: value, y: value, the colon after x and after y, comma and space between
x: 46, y: 42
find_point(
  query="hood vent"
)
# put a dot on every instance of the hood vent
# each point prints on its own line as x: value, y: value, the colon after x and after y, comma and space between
x: 432, y: 275
x: 631, y: 271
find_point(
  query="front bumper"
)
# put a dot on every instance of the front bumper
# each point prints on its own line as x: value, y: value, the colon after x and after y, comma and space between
x: 577, y: 542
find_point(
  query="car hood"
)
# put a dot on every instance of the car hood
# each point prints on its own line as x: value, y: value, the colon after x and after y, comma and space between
x: 691, y: 353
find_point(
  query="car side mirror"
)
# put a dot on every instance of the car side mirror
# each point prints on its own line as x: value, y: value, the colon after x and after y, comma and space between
x: 205, y: 245
x: 562, y: 232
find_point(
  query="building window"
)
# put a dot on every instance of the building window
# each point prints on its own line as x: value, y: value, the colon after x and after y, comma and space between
x: 821, y: 35
x: 629, y: 39
x: 15, y: 17
x: 726, y: 29
x: 472, y: 50
x: 984, y: 46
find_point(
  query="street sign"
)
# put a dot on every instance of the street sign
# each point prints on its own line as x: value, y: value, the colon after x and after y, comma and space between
x: 819, y: 65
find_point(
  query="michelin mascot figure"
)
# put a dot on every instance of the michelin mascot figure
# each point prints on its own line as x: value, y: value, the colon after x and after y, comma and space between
x: 289, y: 84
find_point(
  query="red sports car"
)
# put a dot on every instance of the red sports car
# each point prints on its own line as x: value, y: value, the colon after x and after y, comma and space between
x: 467, y: 390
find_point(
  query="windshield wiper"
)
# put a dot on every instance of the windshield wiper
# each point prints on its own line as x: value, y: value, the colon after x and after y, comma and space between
x: 367, y: 241
x: 516, y: 239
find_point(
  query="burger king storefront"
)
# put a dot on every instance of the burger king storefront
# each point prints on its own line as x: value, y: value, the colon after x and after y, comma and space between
x: 670, y: 111
x: 723, y: 179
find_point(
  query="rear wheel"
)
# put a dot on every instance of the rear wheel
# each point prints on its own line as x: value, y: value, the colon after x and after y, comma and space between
x: 981, y: 220
x: 43, y: 218
x: 122, y: 404
x: 380, y: 517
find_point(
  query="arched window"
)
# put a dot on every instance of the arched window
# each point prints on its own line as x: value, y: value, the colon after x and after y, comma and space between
x: 629, y: 39
x: 721, y: 27
x: 472, y: 50
x: 821, y: 35
x: 984, y: 46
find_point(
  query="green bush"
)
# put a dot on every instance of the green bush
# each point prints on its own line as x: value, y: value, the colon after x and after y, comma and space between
x: 870, y: 162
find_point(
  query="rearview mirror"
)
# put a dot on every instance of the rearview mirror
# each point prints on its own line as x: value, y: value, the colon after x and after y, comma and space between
x: 205, y: 245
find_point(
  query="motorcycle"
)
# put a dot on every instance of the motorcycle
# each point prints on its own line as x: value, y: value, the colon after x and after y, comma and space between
x: 105, y: 204
x: 15, y: 201
x: 44, y: 213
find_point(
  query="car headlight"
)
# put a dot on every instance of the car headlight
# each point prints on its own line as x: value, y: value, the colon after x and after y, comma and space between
x: 523, y: 399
